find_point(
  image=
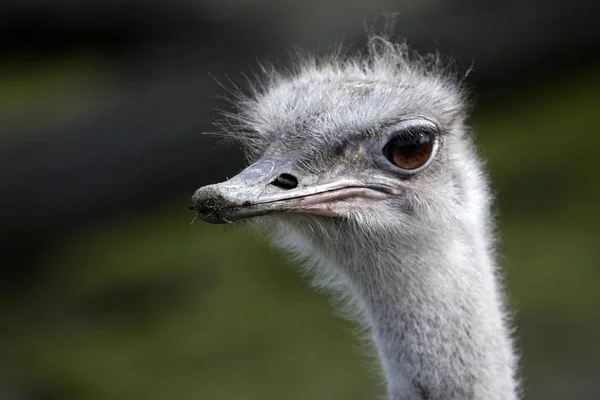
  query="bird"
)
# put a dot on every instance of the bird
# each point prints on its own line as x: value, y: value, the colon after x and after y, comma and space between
x: 364, y: 165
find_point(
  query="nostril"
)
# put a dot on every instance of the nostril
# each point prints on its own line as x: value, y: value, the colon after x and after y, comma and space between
x: 286, y: 181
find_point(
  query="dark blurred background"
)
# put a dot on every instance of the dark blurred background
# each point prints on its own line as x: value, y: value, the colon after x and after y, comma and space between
x: 107, y: 292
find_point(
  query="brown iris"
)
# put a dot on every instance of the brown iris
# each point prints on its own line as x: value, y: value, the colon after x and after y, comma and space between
x: 410, y: 149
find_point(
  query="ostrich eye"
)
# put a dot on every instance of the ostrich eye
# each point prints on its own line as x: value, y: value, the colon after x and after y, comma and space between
x: 411, y: 149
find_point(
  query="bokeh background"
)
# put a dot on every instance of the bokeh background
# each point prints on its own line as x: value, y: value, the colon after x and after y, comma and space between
x: 108, y: 292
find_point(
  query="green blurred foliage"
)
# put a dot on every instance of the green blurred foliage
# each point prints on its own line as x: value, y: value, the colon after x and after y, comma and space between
x: 152, y: 307
x: 54, y: 91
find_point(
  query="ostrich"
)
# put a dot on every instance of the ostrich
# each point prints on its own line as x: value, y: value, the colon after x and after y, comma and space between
x: 363, y: 165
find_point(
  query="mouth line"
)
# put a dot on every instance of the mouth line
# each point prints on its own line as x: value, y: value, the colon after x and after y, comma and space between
x: 318, y: 203
x: 344, y: 192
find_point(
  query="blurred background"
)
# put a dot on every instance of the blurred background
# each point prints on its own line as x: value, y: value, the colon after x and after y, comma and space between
x: 108, y: 292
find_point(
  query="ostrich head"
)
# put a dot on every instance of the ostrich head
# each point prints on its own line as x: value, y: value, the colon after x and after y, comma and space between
x: 364, y: 165
x: 345, y: 151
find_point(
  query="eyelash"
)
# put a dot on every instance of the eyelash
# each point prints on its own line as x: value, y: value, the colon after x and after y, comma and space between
x: 411, y: 133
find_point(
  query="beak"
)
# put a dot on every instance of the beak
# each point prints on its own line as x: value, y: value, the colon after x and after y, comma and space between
x: 255, y: 192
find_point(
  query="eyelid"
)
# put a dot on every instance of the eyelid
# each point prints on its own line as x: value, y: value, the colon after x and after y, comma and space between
x: 417, y: 122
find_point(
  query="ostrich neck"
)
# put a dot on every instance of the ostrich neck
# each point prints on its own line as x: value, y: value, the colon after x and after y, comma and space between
x: 437, y: 318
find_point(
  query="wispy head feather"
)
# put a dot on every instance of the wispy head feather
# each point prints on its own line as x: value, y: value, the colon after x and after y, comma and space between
x: 283, y: 99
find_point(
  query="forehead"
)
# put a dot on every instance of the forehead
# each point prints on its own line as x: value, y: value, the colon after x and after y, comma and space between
x: 329, y: 104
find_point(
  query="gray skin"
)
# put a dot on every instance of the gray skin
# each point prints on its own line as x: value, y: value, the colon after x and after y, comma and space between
x: 412, y: 250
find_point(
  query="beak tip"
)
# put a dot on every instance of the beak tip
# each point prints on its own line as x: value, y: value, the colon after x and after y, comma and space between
x: 208, y: 204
